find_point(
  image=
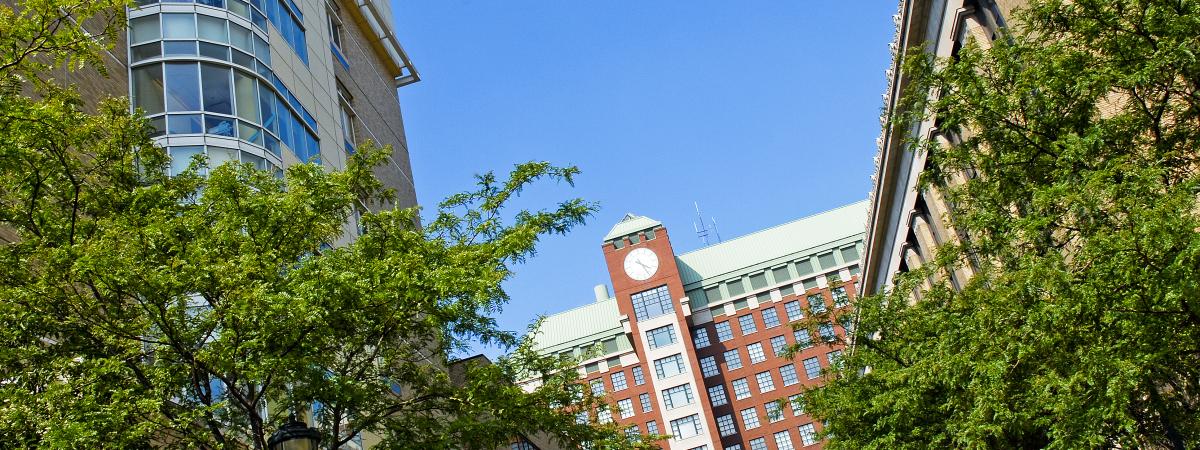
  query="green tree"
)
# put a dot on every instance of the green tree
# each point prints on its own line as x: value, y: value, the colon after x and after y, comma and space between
x: 140, y: 310
x: 1078, y: 133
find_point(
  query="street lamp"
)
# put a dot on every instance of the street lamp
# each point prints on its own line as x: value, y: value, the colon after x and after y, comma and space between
x: 294, y: 435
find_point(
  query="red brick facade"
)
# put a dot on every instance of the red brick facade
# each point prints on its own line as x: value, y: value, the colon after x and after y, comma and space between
x: 668, y: 274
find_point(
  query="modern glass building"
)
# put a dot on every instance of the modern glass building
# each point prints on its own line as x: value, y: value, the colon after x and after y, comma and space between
x: 270, y: 82
x: 690, y: 344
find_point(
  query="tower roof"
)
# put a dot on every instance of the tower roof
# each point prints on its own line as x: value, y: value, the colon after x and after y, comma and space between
x: 810, y: 233
x: 630, y: 224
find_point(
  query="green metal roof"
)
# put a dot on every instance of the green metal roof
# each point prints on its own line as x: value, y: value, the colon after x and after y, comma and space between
x: 630, y: 224
x: 582, y: 325
x: 724, y: 259
x: 601, y: 320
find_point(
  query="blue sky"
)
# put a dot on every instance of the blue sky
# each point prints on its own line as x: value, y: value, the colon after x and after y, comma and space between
x: 761, y: 111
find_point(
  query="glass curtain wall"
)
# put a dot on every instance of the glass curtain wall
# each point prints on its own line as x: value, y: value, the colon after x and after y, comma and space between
x: 210, y: 74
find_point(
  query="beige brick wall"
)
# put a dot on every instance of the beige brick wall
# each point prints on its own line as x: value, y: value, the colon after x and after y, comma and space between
x: 374, y: 100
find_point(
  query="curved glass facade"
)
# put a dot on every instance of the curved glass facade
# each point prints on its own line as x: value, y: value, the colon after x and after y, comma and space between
x: 284, y: 14
x: 207, y: 73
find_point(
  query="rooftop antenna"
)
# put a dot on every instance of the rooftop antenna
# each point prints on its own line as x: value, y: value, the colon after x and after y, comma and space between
x: 698, y: 224
x: 715, y: 232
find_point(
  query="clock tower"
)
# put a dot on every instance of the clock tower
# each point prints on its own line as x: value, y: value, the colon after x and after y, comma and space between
x: 655, y: 315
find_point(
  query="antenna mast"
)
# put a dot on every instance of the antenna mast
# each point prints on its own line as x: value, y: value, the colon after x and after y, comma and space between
x: 702, y: 229
x: 698, y: 224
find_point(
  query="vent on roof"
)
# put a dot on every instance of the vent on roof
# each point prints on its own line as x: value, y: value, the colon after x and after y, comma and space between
x: 601, y: 291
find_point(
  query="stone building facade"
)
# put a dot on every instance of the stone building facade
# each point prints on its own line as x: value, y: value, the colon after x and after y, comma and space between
x: 906, y: 224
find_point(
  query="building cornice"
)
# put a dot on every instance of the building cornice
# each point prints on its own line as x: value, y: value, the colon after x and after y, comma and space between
x: 887, y: 145
x: 386, y: 45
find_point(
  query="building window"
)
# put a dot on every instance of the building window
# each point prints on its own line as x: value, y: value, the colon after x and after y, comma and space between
x: 626, y: 408
x: 618, y: 381
x: 724, y: 331
x: 756, y: 353
x: 713, y: 294
x: 335, y: 28
x: 678, y: 396
x: 652, y: 303
x: 708, y: 367
x: 758, y: 281
x: 747, y: 325
x: 774, y: 413
x: 816, y: 303
x: 749, y: 418
x: 783, y: 441
x: 632, y: 431
x: 733, y: 360
x: 638, y: 378
x: 289, y: 25
x: 797, y: 404
x: 148, y: 88
x: 787, y: 290
x: 840, y: 298
x: 716, y: 395
x: 347, y: 119
x: 826, y: 332
x: 700, y: 337
x: 598, y: 387
x: 661, y: 336
x: 788, y: 374
x: 808, y: 434
x: 847, y: 324
x: 770, y: 317
x: 592, y: 367
x: 812, y: 368
x: 765, y: 382
x: 210, y: 90
x: 735, y: 287
x: 686, y: 427
x: 604, y: 415
x: 734, y: 447
x: 669, y: 366
x: 644, y: 399
x: 793, y: 310
x: 781, y: 274
x: 741, y: 388
x: 758, y: 444
x: 614, y: 362
x: 725, y: 425
x: 652, y: 427
x: 835, y: 358
x: 803, y: 338
x: 778, y: 345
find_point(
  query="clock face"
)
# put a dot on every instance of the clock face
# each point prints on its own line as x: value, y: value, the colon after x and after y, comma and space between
x: 641, y: 263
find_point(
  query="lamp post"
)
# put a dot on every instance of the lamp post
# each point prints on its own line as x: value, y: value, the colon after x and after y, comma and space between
x: 294, y: 435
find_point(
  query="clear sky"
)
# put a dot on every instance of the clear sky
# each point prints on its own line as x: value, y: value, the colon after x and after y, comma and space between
x: 761, y: 111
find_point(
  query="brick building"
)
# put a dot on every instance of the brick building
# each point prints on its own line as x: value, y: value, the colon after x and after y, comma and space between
x: 687, y: 345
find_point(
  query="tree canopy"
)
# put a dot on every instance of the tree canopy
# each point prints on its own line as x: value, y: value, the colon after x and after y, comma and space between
x: 1073, y: 178
x: 143, y: 310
